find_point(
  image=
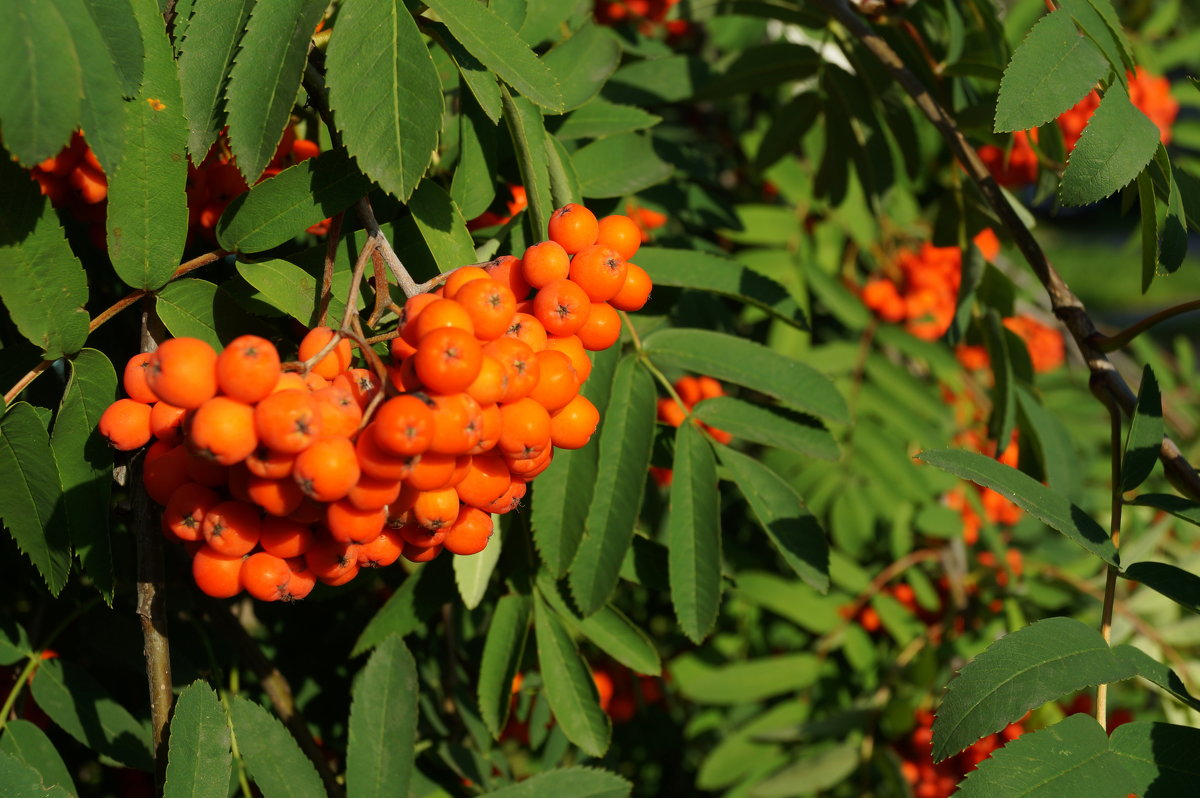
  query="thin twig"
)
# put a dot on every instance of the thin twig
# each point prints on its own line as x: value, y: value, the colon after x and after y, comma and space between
x: 1067, y: 307
x: 1110, y: 579
x: 383, y: 296
x: 331, y: 247
x: 1109, y: 343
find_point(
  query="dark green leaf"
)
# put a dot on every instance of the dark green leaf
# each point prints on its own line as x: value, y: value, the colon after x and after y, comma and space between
x: 390, y: 122
x: 752, y: 365
x: 84, y: 461
x: 1156, y: 673
x: 1051, y: 71
x: 618, y: 165
x: 265, y: 78
x: 745, y: 681
x: 694, y: 534
x: 442, y: 226
x: 118, y: 26
x: 528, y: 133
x: 1053, y: 509
x: 503, y: 649
x: 147, y: 203
x: 14, y: 642
x: 652, y: 81
x: 770, y: 426
x: 479, y: 79
x: 83, y: 709
x: 1145, y: 434
x: 787, y: 127
x: 497, y: 46
x: 1100, y: 24
x: 1148, y: 214
x: 283, y: 206
x: 561, y: 496
x: 568, y: 685
x: 205, y: 57
x: 29, y: 744
x: 1051, y: 442
x: 1020, y: 671
x: 200, y: 758
x: 29, y: 494
x: 1004, y: 406
x: 1067, y: 760
x: 383, y: 723
x: 709, y: 272
x: 626, y: 438
x: 762, y: 67
x: 577, y: 782
x: 1161, y: 757
x: 583, y: 62
x: 474, y: 184
x: 40, y: 98
x: 103, y: 110
x: 1177, y: 506
x: 611, y: 631
x: 417, y: 600
x: 198, y: 309
x: 20, y: 780
x: 781, y: 513
x: 599, y: 118
x: 275, y: 761
x: 44, y: 286
x: 1182, y: 587
x: 1117, y: 144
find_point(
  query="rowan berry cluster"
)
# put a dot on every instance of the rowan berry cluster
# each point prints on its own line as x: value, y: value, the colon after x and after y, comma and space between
x: 648, y: 15
x: 1044, y: 344
x: 929, y: 780
x: 277, y: 478
x: 924, y: 289
x: 1019, y: 166
x: 75, y: 181
x: 691, y: 391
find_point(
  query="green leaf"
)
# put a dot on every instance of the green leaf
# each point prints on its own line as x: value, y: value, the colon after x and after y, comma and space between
x: 200, y: 759
x: 1054, y: 68
x: 1182, y: 587
x: 1067, y: 760
x: 27, y: 743
x: 611, y: 631
x: 205, y: 58
x: 561, y: 496
x: 1177, y: 506
x: 820, y: 768
x: 618, y: 165
x: 265, y: 78
x: 746, y: 681
x: 583, y: 62
x: 1100, y: 24
x: 694, y: 534
x: 1148, y: 214
x: 417, y: 600
x: 473, y: 573
x: 761, y: 67
x: 83, y: 709
x: 1161, y: 757
x: 442, y: 226
x: 29, y: 494
x: 568, y: 685
x: 44, y: 286
x: 708, y: 272
x: 1117, y: 144
x: 283, y: 206
x: 390, y: 122
x: 1145, y: 434
x: 626, y: 439
x: 40, y: 98
x: 1053, y: 509
x: 770, y: 426
x: 275, y: 761
x: 598, y: 117
x: 652, y: 81
x: 198, y: 309
x: 383, y: 723
x: 473, y: 186
x: 84, y: 460
x: 1156, y: 673
x: 119, y: 28
x: 503, y: 650
x: 1051, y: 442
x: 497, y: 46
x: 147, y: 202
x: 788, y: 126
x: 781, y: 513
x: 577, y: 782
x: 479, y: 79
x: 102, y: 112
x: 1020, y: 671
x: 528, y: 133
x: 1004, y: 405
x: 293, y: 290
x: 19, y: 780
x: 749, y: 364
x: 14, y: 642
x: 564, y: 181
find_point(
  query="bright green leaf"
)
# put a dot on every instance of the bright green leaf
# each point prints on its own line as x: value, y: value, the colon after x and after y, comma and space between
x: 198, y: 309
x: 694, y: 534
x: 26, y: 742
x: 568, y: 685
x: 205, y: 58
x: 103, y: 110
x: 20, y: 780
x: 1161, y: 757
x: 577, y: 782
x: 770, y: 426
x: 1145, y: 434
x: 275, y: 761
x: 383, y: 723
x: 583, y: 62
x: 1115, y: 146
x: 473, y: 573
x: 199, y: 759
x: 618, y: 165
x: 745, y: 681
x: 528, y: 133
x: 599, y: 117
x: 503, y: 649
x: 442, y: 226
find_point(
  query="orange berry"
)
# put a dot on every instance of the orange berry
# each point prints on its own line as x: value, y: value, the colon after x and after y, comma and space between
x: 527, y: 328
x: 290, y: 381
x: 248, y: 369
x: 216, y: 574
x: 510, y: 501
x: 709, y: 387
x: 376, y: 462
x: 332, y: 364
x: 285, y: 537
x: 486, y: 480
x: 266, y: 577
x: 490, y: 305
x: 526, y: 468
x: 436, y: 509
x: 278, y: 497
x: 269, y: 464
x: 417, y: 554
x: 232, y: 528
x: 557, y: 380
x: 332, y: 560
x: 544, y: 263
x: 670, y: 412
x: 403, y: 425
x: 574, y: 227
x: 373, y: 494
x: 456, y: 424
x: 432, y: 471
x: 460, y: 277
x: 602, y: 328
x: 166, y: 422
x: 621, y: 234
x: 490, y: 425
x: 469, y: 533
x: 448, y: 359
x: 510, y: 271
x: 327, y: 470
x: 183, y: 372
x: 222, y: 431
x: 562, y: 307
x: 688, y: 389
x: 491, y: 383
x: 438, y: 314
x: 126, y: 424
x: 340, y: 414
x: 526, y: 428
x: 412, y: 309
x: 163, y: 473
x: 134, y: 379
x: 288, y: 421
x: 361, y: 383
x: 349, y: 524
x: 382, y: 551
x: 634, y: 291
x: 186, y: 508
x: 573, y: 426
x: 572, y: 347
x: 599, y: 271
x: 520, y: 366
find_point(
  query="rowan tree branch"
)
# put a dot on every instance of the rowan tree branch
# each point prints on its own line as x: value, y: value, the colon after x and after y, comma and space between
x: 1066, y: 306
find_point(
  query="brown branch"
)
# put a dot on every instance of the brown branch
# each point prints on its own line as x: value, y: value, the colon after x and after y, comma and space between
x: 1110, y: 579
x: 1109, y: 343
x: 331, y: 246
x: 1066, y: 306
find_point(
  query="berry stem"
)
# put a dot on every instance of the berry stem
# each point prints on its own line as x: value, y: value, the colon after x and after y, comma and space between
x: 331, y: 246
x: 1110, y: 343
x: 1110, y: 579
x: 35, y: 659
